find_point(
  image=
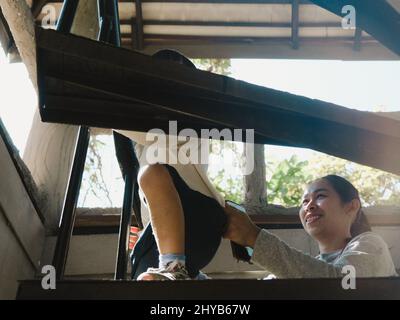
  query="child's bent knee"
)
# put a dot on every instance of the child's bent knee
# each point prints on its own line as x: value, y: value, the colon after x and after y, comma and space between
x: 153, y: 174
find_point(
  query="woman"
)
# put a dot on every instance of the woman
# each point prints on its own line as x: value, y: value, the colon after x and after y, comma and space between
x: 330, y: 213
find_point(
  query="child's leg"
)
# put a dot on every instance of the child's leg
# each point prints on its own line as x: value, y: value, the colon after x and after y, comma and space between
x: 166, y: 213
x: 186, y: 223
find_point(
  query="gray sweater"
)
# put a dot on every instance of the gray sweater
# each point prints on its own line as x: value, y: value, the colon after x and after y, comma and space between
x: 367, y: 253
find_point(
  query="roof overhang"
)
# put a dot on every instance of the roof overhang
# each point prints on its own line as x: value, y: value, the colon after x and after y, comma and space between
x: 284, y: 29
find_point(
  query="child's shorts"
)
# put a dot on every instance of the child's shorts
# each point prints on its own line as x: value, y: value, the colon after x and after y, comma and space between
x: 205, y: 223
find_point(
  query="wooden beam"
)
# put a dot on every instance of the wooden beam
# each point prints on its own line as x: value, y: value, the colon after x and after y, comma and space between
x: 218, y: 40
x: 132, y: 23
x: 236, y: 23
x: 357, y: 39
x: 96, y: 219
x: 295, y: 24
x: 268, y: 49
x: 255, y: 182
x: 272, y: 217
x: 216, y: 289
x: 20, y: 21
x: 139, y: 34
x: 200, y: 97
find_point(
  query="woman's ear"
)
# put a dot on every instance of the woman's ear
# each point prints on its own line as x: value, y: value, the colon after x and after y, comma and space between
x: 353, y: 207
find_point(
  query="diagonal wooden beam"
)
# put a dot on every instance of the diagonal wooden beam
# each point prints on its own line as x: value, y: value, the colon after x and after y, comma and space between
x: 137, y: 92
x: 377, y: 18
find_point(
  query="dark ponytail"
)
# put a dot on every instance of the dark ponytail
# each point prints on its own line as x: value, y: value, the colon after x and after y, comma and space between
x: 348, y: 192
x: 173, y: 55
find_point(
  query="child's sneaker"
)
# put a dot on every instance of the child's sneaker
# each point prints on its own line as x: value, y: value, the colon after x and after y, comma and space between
x: 174, y: 270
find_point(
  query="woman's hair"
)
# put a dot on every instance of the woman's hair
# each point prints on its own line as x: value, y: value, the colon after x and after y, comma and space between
x: 348, y: 192
x: 172, y: 55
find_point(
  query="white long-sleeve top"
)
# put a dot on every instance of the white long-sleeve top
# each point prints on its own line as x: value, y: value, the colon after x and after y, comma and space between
x: 367, y: 253
x: 194, y: 175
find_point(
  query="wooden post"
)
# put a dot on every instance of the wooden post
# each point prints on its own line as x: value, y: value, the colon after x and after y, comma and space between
x: 255, y: 183
x: 295, y: 24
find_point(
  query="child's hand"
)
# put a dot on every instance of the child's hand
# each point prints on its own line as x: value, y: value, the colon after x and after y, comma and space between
x: 240, y: 228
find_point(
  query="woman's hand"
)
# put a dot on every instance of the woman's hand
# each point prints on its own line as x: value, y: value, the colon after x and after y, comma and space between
x: 240, y: 228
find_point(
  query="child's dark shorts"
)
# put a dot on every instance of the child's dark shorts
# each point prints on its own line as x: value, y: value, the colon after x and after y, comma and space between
x: 205, y: 222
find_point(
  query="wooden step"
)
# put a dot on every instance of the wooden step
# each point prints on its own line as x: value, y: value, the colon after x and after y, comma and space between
x: 244, y: 289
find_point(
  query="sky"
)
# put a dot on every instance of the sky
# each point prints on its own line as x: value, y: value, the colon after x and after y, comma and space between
x: 369, y: 86
x: 365, y: 85
x: 17, y: 100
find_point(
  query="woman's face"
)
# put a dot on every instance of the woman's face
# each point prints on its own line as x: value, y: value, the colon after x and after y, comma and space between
x: 322, y: 212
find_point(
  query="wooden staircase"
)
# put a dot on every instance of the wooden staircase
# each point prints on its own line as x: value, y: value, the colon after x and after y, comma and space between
x: 377, y: 288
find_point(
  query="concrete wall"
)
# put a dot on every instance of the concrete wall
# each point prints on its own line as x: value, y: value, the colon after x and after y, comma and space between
x: 89, y: 256
x: 94, y: 256
x: 21, y: 231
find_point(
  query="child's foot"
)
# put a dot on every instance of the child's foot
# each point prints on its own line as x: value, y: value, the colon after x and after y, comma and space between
x: 174, y: 270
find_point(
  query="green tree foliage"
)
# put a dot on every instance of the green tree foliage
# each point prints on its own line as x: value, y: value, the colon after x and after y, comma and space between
x: 288, y: 178
x: 228, y: 180
x: 230, y: 187
x: 93, y: 182
x: 219, y: 66
x: 376, y: 187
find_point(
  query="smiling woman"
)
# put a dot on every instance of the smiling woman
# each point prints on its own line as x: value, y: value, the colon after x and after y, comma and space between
x: 331, y: 214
